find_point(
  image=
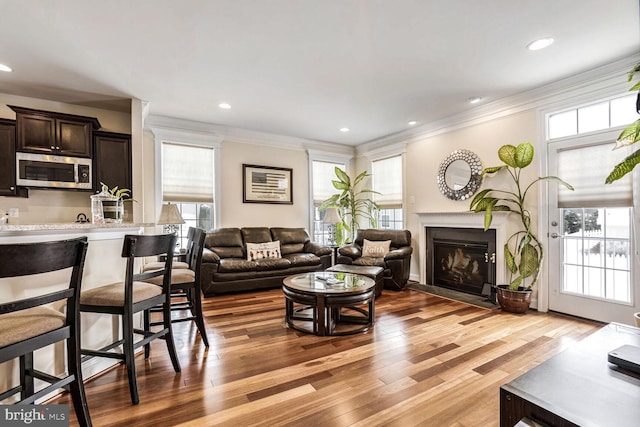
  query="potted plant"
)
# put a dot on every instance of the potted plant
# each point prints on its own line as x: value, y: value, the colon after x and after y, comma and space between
x: 352, y: 203
x: 629, y: 135
x: 523, y: 251
x: 112, y: 200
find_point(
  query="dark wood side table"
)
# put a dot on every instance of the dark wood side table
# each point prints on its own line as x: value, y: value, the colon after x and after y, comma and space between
x: 578, y: 387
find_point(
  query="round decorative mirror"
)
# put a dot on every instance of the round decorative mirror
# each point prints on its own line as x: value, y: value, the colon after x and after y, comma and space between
x: 460, y: 175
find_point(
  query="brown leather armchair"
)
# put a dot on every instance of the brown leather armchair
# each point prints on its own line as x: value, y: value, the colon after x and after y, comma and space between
x: 396, y: 263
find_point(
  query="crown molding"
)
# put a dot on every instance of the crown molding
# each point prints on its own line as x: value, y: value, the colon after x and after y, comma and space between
x: 245, y: 136
x: 600, y: 80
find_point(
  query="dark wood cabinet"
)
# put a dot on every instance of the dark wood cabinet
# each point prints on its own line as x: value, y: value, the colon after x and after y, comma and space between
x: 56, y: 133
x: 7, y: 158
x: 112, y: 160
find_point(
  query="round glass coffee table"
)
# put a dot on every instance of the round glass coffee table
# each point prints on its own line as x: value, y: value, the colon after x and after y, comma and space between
x: 325, y: 303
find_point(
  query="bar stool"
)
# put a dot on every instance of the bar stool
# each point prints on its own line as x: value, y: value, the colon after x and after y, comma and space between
x: 28, y: 324
x: 186, y: 292
x: 133, y: 296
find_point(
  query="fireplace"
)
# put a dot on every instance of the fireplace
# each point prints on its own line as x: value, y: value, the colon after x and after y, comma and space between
x: 463, y: 220
x: 462, y: 259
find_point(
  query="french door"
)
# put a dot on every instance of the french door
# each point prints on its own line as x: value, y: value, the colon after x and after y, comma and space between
x: 593, y: 272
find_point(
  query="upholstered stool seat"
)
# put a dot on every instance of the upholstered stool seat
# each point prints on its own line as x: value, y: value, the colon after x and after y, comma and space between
x: 113, y: 294
x: 157, y: 265
x: 179, y: 276
x: 373, y: 272
x: 20, y: 325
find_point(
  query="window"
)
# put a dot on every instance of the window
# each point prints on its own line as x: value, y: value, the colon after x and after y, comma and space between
x: 387, y: 180
x: 188, y: 181
x: 619, y: 111
x: 322, y: 174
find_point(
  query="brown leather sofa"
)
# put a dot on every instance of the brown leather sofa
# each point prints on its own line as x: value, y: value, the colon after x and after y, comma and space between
x: 225, y: 267
x: 396, y: 263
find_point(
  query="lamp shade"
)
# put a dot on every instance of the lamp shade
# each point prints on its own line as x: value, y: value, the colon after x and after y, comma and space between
x: 170, y: 215
x: 331, y: 216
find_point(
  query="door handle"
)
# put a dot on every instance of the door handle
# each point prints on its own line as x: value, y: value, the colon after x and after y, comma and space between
x: 554, y: 235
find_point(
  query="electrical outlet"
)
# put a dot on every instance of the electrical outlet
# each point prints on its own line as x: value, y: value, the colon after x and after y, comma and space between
x: 14, y: 212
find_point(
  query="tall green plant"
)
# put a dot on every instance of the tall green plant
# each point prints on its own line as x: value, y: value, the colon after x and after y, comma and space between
x: 523, y: 251
x: 630, y: 135
x: 352, y: 203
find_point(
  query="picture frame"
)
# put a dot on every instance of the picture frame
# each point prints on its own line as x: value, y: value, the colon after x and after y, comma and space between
x: 267, y: 184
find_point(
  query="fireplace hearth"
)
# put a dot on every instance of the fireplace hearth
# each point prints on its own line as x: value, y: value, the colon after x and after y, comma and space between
x: 461, y: 259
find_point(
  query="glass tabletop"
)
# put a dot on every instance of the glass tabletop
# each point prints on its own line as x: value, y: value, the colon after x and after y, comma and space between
x: 329, y: 283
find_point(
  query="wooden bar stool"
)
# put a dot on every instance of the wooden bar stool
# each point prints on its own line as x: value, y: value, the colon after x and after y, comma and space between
x: 133, y: 296
x: 29, y: 324
x: 186, y: 292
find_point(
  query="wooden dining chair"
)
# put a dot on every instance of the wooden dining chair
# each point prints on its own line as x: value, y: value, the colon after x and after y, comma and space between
x: 29, y: 324
x: 186, y: 292
x: 132, y: 296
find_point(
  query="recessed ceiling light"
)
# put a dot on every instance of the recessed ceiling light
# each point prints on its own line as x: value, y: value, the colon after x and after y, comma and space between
x: 475, y: 99
x: 224, y: 105
x: 540, y: 43
x: 344, y: 129
x: 412, y: 123
x: 5, y: 68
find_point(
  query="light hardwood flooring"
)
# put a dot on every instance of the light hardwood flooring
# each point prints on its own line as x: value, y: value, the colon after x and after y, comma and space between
x: 428, y: 361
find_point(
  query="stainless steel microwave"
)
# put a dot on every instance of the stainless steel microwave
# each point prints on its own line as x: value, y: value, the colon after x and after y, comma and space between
x: 50, y: 171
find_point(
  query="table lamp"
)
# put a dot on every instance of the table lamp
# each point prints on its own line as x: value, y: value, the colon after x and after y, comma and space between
x: 170, y: 218
x: 332, y: 218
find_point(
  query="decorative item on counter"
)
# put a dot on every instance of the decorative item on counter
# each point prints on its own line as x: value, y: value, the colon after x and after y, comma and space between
x: 4, y: 219
x: 108, y: 205
x: 82, y: 218
x: 170, y: 218
x: 97, y: 214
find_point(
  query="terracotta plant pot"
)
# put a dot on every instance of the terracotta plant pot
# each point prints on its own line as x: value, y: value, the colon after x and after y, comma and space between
x: 513, y: 301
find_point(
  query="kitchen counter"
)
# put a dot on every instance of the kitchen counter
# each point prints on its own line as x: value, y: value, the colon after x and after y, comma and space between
x: 72, y: 227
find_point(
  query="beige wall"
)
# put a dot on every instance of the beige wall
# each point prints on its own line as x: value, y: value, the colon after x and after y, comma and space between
x: 235, y: 213
x: 423, y: 159
x: 54, y: 206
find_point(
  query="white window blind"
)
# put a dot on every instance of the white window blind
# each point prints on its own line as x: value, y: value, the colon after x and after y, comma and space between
x: 586, y: 168
x: 387, y: 180
x: 187, y: 173
x: 323, y: 174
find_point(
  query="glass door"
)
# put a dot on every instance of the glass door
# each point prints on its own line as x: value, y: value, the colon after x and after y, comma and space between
x: 591, y: 250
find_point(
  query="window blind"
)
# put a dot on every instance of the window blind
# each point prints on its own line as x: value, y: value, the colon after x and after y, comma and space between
x: 387, y: 179
x: 323, y: 174
x: 586, y: 168
x: 187, y: 173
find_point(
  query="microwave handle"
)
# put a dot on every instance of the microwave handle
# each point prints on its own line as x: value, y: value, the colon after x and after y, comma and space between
x: 76, y: 175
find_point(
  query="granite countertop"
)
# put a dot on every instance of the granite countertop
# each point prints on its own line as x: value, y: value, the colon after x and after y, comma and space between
x: 71, y: 226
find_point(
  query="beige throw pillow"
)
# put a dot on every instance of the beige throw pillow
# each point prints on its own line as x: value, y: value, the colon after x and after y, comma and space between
x: 375, y: 249
x: 256, y: 251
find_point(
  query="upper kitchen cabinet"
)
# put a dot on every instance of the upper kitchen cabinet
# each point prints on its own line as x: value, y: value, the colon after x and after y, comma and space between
x: 54, y: 133
x: 112, y: 160
x: 8, y: 160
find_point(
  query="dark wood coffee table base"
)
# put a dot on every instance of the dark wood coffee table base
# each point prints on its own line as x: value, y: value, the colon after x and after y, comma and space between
x: 329, y: 314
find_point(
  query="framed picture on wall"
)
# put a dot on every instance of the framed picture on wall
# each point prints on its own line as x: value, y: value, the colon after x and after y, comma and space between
x: 266, y: 184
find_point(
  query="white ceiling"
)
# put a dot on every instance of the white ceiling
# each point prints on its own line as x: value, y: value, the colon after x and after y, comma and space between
x: 305, y: 68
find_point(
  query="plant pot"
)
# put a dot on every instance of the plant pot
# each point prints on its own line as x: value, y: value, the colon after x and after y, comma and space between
x: 113, y: 210
x: 637, y: 317
x: 513, y: 301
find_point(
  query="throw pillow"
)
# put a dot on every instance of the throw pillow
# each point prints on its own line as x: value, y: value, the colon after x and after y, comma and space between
x: 256, y: 251
x: 376, y: 249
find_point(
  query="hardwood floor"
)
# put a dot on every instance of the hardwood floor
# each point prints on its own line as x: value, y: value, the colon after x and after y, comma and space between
x: 428, y: 361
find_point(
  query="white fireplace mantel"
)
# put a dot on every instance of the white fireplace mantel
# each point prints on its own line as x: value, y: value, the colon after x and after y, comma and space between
x: 463, y: 220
